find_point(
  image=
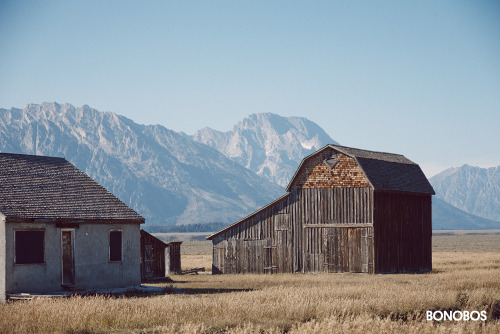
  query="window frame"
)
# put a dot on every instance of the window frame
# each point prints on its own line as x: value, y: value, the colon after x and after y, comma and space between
x: 15, y: 246
x: 121, y: 245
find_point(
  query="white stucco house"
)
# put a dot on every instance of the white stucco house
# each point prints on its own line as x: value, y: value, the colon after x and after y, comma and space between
x: 60, y: 229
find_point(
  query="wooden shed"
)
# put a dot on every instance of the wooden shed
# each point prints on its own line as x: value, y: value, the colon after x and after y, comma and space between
x: 173, y: 257
x: 158, y: 258
x: 345, y: 210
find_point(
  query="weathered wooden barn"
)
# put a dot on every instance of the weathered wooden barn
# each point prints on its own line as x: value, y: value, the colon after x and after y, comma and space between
x: 60, y: 229
x: 345, y: 210
x: 159, y: 258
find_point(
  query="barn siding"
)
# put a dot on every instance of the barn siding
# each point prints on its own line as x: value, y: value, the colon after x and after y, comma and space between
x: 152, y: 256
x: 311, y: 230
x: 173, y: 252
x: 403, y: 229
x: 158, y: 258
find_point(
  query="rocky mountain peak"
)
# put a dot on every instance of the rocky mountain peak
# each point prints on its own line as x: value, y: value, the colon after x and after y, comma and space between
x: 475, y: 190
x: 268, y: 144
x: 165, y: 176
x: 169, y: 178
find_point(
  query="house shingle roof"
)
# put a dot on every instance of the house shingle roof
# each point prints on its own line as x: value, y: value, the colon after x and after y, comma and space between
x: 385, y: 171
x: 49, y: 187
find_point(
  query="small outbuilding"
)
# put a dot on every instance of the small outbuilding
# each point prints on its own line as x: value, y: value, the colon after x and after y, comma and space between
x: 60, y: 229
x: 345, y: 210
x: 158, y: 258
x: 173, y: 257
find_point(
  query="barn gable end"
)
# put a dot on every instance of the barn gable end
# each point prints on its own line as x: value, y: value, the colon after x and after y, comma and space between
x: 315, y: 172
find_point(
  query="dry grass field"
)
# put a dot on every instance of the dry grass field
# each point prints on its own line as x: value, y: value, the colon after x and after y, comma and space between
x: 196, y: 254
x: 466, y: 276
x: 466, y: 242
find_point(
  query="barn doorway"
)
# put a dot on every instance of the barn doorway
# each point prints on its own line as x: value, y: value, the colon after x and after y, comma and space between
x: 270, y: 259
x: 67, y: 257
x: 348, y: 249
x: 339, y: 249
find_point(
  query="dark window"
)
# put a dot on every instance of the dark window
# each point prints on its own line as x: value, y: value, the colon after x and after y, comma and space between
x: 115, y: 245
x: 29, y: 246
x: 331, y: 161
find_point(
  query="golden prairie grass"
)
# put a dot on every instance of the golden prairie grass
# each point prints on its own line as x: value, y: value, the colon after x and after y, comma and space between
x: 197, y: 261
x: 196, y: 254
x: 466, y: 242
x: 295, y: 303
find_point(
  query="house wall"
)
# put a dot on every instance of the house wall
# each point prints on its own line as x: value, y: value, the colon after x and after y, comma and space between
x: 403, y: 232
x: 91, y: 257
x: 2, y: 257
x: 33, y: 277
x: 92, y: 267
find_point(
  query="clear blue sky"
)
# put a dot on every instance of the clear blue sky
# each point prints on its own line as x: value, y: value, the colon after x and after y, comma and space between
x: 420, y: 78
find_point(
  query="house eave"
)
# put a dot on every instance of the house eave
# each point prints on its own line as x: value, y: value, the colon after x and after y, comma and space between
x: 52, y: 220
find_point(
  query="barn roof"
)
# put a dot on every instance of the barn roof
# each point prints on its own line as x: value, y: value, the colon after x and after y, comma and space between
x: 250, y: 215
x: 384, y: 171
x: 49, y: 187
x: 145, y: 234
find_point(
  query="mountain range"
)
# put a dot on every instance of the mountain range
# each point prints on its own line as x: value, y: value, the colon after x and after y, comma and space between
x: 211, y: 177
x: 167, y: 178
x: 448, y: 217
x: 474, y: 190
x: 269, y: 145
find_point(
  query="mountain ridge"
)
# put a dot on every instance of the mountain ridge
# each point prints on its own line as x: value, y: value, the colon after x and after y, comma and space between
x: 171, y: 178
x: 164, y: 176
x: 448, y: 217
x: 474, y: 190
x: 268, y: 144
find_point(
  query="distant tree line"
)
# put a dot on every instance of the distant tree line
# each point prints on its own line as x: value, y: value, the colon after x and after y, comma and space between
x: 208, y: 227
